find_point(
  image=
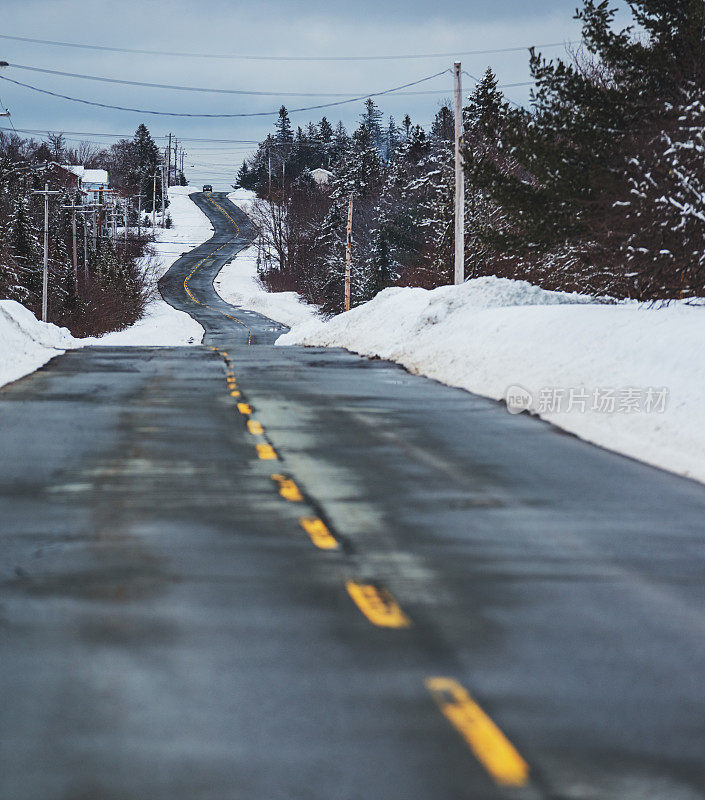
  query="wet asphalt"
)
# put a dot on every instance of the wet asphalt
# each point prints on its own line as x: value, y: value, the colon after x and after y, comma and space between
x: 168, y: 629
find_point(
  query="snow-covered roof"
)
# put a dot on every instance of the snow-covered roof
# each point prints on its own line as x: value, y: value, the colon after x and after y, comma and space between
x: 99, y: 176
x: 321, y: 171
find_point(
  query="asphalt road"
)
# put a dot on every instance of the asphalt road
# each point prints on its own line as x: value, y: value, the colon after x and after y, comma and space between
x: 431, y: 599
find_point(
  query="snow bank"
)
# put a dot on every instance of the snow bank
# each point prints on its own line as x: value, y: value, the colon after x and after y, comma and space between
x: 243, y: 199
x: 628, y: 377
x: 163, y: 325
x: 238, y: 285
x: 27, y: 344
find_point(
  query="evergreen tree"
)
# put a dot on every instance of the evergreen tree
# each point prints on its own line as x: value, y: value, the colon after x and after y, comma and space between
x: 284, y: 133
x: 25, y: 247
x: 382, y: 271
x: 372, y: 120
x: 145, y: 160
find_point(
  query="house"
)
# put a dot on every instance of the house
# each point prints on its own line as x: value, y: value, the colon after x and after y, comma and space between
x: 321, y: 176
x: 89, y: 179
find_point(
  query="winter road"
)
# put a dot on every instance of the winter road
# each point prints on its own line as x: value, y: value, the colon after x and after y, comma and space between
x: 261, y: 573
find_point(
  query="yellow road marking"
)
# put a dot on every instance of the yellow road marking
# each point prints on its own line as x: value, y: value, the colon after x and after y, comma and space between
x: 319, y: 533
x: 254, y: 427
x: 193, y: 272
x: 266, y: 452
x: 288, y: 489
x: 244, y: 408
x: 377, y: 605
x: 490, y: 746
x: 235, y: 393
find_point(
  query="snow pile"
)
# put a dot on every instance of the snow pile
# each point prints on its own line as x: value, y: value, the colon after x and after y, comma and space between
x: 163, y: 325
x: 243, y: 199
x: 27, y: 344
x: 628, y: 377
x: 238, y: 285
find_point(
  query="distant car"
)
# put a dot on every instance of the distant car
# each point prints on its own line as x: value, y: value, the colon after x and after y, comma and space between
x: 207, y: 187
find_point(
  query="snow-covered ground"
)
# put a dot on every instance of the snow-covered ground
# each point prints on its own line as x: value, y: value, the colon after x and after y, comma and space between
x: 161, y: 324
x: 238, y: 285
x: 27, y: 344
x: 628, y: 377
x: 242, y: 198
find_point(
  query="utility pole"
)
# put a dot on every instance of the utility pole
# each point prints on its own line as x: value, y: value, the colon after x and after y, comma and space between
x: 45, y: 273
x: 125, y: 212
x: 459, y: 178
x: 73, y: 208
x: 348, y: 254
x: 164, y: 196
x: 85, y: 210
x: 168, y: 155
x: 154, y: 202
x: 139, y: 215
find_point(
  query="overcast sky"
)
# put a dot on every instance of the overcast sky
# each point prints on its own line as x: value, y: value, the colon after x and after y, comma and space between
x: 259, y: 28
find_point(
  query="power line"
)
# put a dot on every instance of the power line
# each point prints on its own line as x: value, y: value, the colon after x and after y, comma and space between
x: 221, y: 116
x: 179, y: 88
x: 255, y: 92
x: 42, y: 132
x: 407, y: 56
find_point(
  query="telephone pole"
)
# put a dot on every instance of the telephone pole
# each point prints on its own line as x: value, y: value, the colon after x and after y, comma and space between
x: 459, y: 276
x: 164, y: 195
x: 45, y: 273
x: 168, y: 155
x: 154, y: 201
x: 348, y: 254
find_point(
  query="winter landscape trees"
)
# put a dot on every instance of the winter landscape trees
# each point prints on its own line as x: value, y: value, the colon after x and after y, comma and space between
x: 597, y: 186
x: 110, y: 290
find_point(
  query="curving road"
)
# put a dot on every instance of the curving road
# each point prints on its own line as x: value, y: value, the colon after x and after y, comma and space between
x: 267, y: 573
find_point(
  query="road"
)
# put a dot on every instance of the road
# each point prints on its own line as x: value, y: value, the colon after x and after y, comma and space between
x: 244, y: 572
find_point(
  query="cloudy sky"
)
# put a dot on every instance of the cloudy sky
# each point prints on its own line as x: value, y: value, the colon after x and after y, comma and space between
x: 267, y: 28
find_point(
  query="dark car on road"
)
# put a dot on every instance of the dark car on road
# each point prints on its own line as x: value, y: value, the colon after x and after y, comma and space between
x: 207, y: 187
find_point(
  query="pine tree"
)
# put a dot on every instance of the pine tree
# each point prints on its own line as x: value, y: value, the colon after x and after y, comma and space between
x: 145, y: 157
x: 284, y: 133
x: 371, y: 119
x: 382, y: 270
x: 23, y: 239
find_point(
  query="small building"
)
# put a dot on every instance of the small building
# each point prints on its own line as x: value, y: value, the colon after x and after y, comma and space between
x: 89, y: 179
x: 321, y: 176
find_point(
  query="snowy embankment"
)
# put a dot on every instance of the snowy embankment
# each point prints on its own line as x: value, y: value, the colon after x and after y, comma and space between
x: 27, y: 344
x: 237, y: 282
x: 628, y: 377
x: 163, y: 325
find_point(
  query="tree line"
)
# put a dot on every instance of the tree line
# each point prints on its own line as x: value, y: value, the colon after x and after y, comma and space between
x: 108, y: 291
x: 597, y: 186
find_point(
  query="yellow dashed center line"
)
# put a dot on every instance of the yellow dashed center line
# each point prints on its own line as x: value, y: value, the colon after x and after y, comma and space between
x: 244, y: 408
x: 254, y: 427
x: 193, y: 272
x: 319, y: 533
x: 490, y: 746
x: 288, y: 489
x: 377, y: 605
x: 266, y: 452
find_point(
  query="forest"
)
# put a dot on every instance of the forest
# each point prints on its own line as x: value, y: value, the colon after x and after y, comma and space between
x: 111, y: 282
x: 597, y: 186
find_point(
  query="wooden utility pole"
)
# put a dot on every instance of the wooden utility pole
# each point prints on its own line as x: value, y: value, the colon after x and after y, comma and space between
x: 139, y: 215
x: 45, y: 273
x: 100, y: 211
x: 164, y: 196
x: 348, y: 254
x: 168, y: 156
x: 154, y: 201
x: 125, y: 215
x: 459, y: 178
